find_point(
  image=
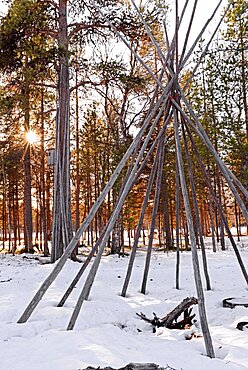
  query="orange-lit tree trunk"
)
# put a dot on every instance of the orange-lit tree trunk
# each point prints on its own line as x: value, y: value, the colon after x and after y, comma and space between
x: 28, y: 220
x: 42, y: 179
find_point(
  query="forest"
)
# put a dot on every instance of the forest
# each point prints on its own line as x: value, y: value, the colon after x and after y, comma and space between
x: 72, y: 99
x: 124, y: 154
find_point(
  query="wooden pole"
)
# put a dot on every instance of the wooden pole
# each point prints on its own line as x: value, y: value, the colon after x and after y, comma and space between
x: 92, y: 274
x: 177, y: 227
x: 139, y: 227
x: 212, y: 192
x: 154, y: 213
x: 195, y: 261
x: 142, y: 213
x: 197, y: 216
x: 59, y: 266
x: 188, y: 31
x: 204, y: 137
x: 198, y: 38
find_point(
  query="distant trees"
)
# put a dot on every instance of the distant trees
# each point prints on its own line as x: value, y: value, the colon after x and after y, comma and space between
x: 219, y: 97
x: 74, y: 79
x: 25, y: 54
x: 237, y: 56
x: 39, y: 44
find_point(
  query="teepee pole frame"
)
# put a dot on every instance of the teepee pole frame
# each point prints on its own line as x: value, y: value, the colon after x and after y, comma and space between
x: 196, y: 208
x: 142, y: 214
x: 195, y: 260
x: 170, y: 93
x: 204, y: 137
x: 154, y: 212
x: 93, y: 271
x: 217, y: 204
x: 60, y: 264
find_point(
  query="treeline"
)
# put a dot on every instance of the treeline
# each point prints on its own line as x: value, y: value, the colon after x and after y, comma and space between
x: 108, y: 96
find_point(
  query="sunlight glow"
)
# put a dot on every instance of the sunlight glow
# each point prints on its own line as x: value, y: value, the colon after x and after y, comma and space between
x: 32, y: 137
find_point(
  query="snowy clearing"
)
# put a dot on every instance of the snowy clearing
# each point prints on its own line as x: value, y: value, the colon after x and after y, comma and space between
x: 108, y: 332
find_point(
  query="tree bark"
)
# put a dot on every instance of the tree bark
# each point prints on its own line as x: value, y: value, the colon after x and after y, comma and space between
x: 28, y: 220
x: 43, y: 186
x: 62, y: 220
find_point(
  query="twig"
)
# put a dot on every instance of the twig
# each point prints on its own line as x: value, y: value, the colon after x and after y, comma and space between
x: 5, y: 281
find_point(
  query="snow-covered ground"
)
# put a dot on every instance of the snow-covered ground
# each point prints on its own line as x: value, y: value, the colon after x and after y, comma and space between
x: 108, y: 331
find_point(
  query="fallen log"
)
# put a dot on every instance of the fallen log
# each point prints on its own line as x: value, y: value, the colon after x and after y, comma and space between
x: 134, y: 366
x: 170, y: 320
x: 242, y: 325
x: 234, y: 302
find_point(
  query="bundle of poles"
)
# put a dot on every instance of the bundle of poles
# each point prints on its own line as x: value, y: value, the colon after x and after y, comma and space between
x: 169, y: 108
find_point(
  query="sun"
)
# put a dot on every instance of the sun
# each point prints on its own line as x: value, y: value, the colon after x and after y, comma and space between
x: 32, y: 137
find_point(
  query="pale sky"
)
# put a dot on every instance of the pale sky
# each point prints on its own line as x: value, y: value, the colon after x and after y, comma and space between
x: 203, y: 12
x: 204, y: 7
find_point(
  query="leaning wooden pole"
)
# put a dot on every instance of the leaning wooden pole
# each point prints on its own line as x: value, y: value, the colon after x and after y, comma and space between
x: 154, y: 213
x: 60, y: 264
x: 94, y: 249
x: 188, y: 31
x: 195, y: 261
x: 177, y: 200
x: 143, y: 208
x: 81, y: 271
x: 198, y: 38
x: 92, y: 274
x: 139, y: 227
x: 204, y: 137
x: 197, y: 216
x: 212, y: 192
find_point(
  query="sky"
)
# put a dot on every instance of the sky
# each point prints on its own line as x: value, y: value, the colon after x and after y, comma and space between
x: 203, y: 12
x: 204, y: 8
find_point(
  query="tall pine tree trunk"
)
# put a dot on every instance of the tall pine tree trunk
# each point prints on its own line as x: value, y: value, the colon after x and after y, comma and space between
x: 43, y: 186
x: 77, y: 190
x: 62, y: 221
x: 28, y: 220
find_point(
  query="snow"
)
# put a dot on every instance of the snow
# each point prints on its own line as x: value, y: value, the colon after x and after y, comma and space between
x: 108, y: 332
